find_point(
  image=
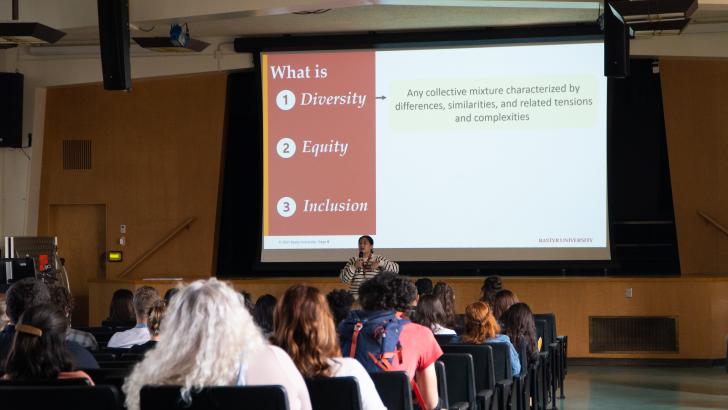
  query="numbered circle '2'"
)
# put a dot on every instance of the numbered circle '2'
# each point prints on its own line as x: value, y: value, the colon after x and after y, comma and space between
x: 286, y: 100
x: 286, y: 147
x: 286, y: 207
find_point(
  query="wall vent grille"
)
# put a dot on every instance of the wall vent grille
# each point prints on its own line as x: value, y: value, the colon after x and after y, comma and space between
x: 626, y: 334
x: 76, y: 154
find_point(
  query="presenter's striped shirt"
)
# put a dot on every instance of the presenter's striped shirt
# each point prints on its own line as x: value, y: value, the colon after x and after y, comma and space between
x: 354, y: 276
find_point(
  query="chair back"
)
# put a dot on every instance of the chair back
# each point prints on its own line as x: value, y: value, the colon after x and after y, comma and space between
x: 394, y: 389
x: 113, y: 376
x: 501, y: 361
x: 460, y: 374
x: 442, y: 382
x: 444, y: 339
x: 215, y: 398
x: 334, y: 393
x: 79, y: 381
x: 549, y: 327
x: 59, y: 397
x: 482, y: 361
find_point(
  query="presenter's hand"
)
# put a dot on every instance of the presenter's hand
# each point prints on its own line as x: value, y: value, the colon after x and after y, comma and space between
x: 375, y: 265
x: 359, y: 263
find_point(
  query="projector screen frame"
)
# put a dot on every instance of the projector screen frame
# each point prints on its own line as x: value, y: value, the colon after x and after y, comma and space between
x: 422, y: 39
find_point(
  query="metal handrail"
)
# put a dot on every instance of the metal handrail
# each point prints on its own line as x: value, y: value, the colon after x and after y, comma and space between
x: 156, y: 247
x: 713, y: 222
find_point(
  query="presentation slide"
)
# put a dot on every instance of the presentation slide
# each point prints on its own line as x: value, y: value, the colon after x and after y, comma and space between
x: 487, y: 153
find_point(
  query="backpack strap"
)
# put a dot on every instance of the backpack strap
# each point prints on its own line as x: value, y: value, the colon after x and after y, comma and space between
x: 357, y: 328
x: 418, y: 395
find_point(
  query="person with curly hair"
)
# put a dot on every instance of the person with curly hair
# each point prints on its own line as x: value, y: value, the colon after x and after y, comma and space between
x: 446, y: 294
x: 208, y: 338
x: 481, y: 327
x: 419, y: 349
x: 305, y: 329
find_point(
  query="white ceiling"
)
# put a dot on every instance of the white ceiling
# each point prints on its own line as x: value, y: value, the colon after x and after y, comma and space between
x: 233, y: 18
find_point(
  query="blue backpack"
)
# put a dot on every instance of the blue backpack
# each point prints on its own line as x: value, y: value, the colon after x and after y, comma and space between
x: 372, y: 338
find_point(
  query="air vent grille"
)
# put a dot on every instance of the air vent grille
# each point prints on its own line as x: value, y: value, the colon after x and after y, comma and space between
x: 76, y: 154
x: 633, y: 334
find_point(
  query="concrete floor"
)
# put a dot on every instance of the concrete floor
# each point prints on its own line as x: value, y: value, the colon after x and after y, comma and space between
x: 626, y: 387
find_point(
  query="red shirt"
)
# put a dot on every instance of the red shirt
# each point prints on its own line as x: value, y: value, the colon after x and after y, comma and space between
x: 419, y: 349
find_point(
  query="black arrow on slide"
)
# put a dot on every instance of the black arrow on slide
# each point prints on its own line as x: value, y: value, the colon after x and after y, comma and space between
x: 384, y: 97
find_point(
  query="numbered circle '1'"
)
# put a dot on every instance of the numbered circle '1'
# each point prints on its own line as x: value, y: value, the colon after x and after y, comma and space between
x: 285, y: 100
x: 286, y: 206
x: 286, y: 147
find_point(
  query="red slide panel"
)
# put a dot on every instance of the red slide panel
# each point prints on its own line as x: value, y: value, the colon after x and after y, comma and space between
x: 320, y: 143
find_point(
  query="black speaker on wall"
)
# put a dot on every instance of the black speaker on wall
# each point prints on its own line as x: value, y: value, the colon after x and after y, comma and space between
x: 114, y: 38
x: 11, y: 110
x: 616, y: 44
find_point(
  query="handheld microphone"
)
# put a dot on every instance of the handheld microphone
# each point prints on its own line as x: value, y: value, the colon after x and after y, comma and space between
x: 361, y: 254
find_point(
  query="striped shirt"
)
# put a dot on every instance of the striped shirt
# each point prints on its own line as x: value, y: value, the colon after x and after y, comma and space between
x: 354, y: 276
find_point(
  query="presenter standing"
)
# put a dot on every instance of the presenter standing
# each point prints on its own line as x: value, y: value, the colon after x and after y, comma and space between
x: 368, y: 265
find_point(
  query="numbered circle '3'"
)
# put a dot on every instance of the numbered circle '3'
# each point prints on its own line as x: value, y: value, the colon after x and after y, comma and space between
x: 286, y: 207
x: 286, y: 147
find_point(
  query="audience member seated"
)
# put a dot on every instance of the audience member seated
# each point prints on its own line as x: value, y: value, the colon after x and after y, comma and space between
x: 430, y: 314
x: 447, y: 297
x: 208, y: 338
x: 155, y: 316
x: 481, y: 327
x: 340, y: 302
x: 169, y: 294
x: 121, y: 310
x: 144, y: 298
x: 23, y: 295
x: 521, y: 329
x: 248, y: 301
x: 62, y: 298
x: 503, y: 299
x: 424, y: 287
x: 263, y: 313
x: 491, y: 285
x: 4, y: 320
x: 305, y: 329
x: 419, y: 349
x: 39, y: 351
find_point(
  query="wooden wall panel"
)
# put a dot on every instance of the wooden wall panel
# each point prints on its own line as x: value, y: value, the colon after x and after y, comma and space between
x: 696, y: 121
x: 156, y: 162
x: 699, y: 303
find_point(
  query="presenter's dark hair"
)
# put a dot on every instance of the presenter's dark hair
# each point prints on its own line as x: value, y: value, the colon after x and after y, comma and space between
x: 387, y: 291
x: 368, y: 238
x: 43, y: 356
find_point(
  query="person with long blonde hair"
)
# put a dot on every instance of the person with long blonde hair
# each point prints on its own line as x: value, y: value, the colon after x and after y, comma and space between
x: 304, y: 327
x: 481, y: 327
x: 208, y: 338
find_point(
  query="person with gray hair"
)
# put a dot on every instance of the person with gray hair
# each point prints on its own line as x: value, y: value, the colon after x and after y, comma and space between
x: 144, y: 298
x: 208, y: 338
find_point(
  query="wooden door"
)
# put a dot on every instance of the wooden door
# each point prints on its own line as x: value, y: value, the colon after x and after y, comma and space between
x: 81, y: 232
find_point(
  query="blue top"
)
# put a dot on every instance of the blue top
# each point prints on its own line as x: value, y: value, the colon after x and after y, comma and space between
x: 515, y: 361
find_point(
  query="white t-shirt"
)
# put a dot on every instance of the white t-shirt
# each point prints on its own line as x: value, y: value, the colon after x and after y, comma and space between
x: 441, y: 330
x: 347, y: 366
x: 271, y: 365
x: 128, y: 338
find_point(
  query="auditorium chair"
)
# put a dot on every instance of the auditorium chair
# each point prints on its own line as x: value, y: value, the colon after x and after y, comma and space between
x: 113, y: 376
x: 444, y: 339
x: 215, y: 398
x: 118, y: 364
x: 485, y: 381
x: 334, y: 393
x: 521, y: 386
x: 394, y: 389
x: 562, y: 346
x: 59, y: 397
x: 503, y: 374
x: 459, y: 389
x: 80, y: 381
x: 104, y: 356
x: 554, y: 347
x: 131, y: 357
x: 546, y: 366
